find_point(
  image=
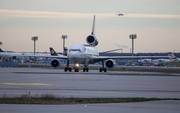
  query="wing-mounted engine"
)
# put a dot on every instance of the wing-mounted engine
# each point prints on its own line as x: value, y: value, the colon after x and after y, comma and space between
x: 55, y: 63
x: 92, y: 40
x: 110, y: 63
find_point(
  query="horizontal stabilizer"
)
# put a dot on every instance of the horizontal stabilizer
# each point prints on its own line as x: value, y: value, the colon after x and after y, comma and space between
x: 1, y: 50
x: 109, y: 51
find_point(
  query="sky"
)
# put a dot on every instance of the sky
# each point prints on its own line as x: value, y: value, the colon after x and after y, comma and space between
x: 155, y: 22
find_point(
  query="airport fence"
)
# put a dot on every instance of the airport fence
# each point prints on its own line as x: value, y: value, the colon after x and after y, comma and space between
x: 9, y: 64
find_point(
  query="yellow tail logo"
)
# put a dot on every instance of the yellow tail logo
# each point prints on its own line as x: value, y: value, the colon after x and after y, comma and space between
x: 52, y: 51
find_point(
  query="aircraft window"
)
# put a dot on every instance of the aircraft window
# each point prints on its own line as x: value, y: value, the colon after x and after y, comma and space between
x: 79, y: 50
x: 74, y: 50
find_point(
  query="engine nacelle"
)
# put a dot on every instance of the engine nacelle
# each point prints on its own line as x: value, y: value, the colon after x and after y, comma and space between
x: 92, y: 40
x: 55, y: 63
x: 110, y: 63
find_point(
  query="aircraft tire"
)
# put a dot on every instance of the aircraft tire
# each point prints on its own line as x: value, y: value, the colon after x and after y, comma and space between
x: 70, y: 69
x: 76, y: 70
x: 65, y: 69
x: 100, y: 70
x: 105, y: 69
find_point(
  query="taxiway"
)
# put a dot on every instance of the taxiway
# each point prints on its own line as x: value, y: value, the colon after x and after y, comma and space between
x: 18, y: 81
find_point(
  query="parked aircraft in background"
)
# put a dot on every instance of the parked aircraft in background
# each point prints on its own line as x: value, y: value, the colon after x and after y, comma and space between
x: 146, y: 61
x: 21, y: 56
x: 160, y: 62
x: 173, y: 57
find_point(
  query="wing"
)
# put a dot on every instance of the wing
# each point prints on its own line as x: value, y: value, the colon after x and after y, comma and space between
x: 52, y: 55
x: 101, y: 58
x: 47, y: 56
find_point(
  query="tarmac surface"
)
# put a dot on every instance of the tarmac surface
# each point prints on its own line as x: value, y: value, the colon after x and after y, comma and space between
x: 18, y: 81
x: 167, y: 106
x: 37, y: 81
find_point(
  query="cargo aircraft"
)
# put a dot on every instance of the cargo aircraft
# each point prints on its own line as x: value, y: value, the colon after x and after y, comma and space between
x: 87, y: 54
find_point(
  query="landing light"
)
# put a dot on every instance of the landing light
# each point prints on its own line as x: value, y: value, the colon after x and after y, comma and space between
x: 77, y: 65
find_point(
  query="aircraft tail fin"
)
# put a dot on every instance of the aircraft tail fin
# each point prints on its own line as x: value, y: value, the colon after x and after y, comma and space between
x: 171, y: 55
x: 93, y: 27
x: 65, y: 51
x: 53, y: 53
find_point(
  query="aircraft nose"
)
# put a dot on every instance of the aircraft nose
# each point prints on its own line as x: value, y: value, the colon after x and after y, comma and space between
x: 73, y: 55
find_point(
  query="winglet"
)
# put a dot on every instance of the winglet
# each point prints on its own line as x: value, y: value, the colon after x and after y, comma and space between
x: 53, y: 53
x: 93, y: 26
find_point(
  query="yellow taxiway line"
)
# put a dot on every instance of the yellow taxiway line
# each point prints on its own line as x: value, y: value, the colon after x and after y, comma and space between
x: 24, y: 83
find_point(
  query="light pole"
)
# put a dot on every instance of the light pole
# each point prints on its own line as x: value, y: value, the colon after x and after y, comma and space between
x: 64, y: 37
x: 34, y: 38
x: 132, y: 36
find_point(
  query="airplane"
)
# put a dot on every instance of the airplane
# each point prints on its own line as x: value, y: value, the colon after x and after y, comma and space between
x: 88, y: 54
x: 163, y: 62
x: 10, y: 55
x: 160, y: 62
x: 20, y: 56
x: 145, y: 61
x: 173, y: 57
x: 120, y: 14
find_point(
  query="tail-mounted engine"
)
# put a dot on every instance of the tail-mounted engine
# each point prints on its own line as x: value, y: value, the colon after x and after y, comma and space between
x: 110, y: 63
x: 92, y: 40
x: 55, y: 63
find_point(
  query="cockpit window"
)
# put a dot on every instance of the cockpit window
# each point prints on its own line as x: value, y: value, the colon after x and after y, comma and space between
x: 74, y: 50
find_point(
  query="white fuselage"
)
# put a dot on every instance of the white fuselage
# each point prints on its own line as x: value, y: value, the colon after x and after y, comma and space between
x: 19, y: 56
x: 82, y: 54
x: 160, y: 61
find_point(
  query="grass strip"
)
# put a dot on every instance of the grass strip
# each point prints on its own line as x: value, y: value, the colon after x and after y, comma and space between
x: 50, y: 99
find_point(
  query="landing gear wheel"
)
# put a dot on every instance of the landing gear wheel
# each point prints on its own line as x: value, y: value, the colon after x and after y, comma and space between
x: 105, y: 69
x: 76, y: 70
x: 65, y: 69
x: 70, y: 69
x: 85, y: 69
x: 102, y: 69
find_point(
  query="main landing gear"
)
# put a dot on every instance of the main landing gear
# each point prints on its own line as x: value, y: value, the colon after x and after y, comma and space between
x: 85, y: 69
x: 67, y: 67
x: 102, y: 69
